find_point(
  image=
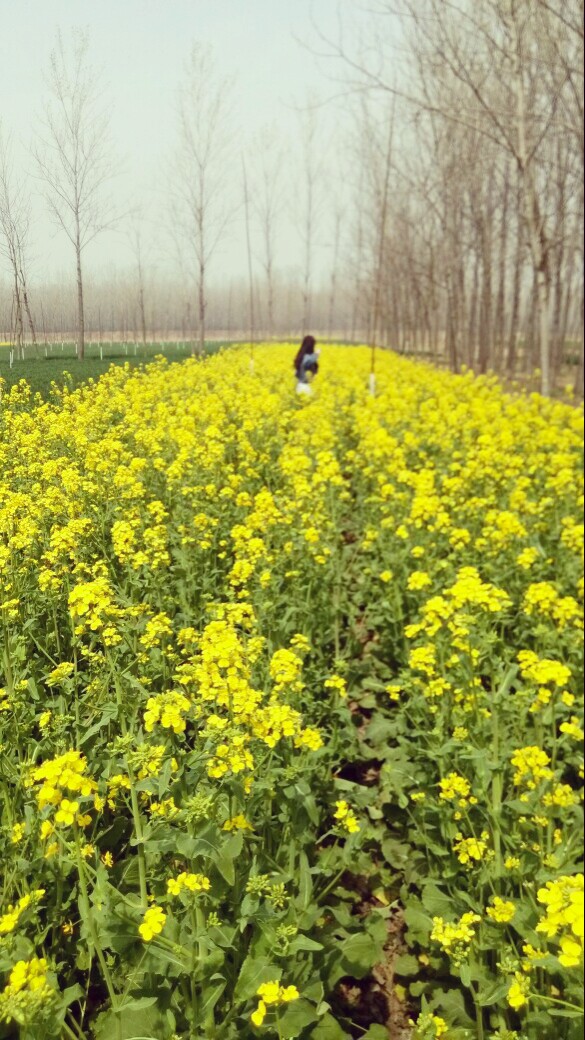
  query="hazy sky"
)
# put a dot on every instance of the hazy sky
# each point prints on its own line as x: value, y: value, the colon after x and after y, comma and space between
x: 142, y: 46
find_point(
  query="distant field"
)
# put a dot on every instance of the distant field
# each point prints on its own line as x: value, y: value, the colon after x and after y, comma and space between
x: 61, y: 365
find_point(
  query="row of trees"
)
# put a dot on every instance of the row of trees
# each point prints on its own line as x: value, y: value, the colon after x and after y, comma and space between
x: 159, y: 308
x: 456, y: 233
x: 75, y: 165
x: 482, y: 251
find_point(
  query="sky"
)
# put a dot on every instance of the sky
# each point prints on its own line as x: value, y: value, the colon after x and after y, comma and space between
x: 141, y: 46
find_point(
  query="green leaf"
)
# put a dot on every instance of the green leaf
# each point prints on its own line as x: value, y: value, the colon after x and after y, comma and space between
x: 465, y: 975
x: 406, y: 965
x: 254, y: 971
x: 451, y: 1005
x: 186, y: 845
x: 377, y: 927
x: 305, y: 883
x: 226, y: 856
x: 376, y: 1032
x: 302, y: 942
x: 72, y: 994
x: 380, y: 730
x: 134, y: 1020
x: 436, y: 902
x: 110, y: 712
x: 136, y: 1004
x: 328, y: 1029
x: 298, y: 1015
x: 359, y: 953
x: 493, y: 993
x: 395, y: 853
x: 419, y: 924
x: 565, y: 1013
x: 211, y: 996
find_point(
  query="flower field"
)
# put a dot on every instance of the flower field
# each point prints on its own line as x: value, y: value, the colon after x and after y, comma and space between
x: 283, y: 679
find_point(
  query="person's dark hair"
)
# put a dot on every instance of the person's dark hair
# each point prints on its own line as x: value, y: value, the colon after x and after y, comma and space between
x: 306, y: 347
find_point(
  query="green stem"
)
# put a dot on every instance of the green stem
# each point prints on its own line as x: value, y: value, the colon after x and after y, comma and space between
x: 497, y: 795
x: 561, y: 1003
x: 69, y: 1032
x: 478, y: 1018
x: 331, y: 885
x: 136, y: 817
x: 92, y: 929
x: 139, y: 840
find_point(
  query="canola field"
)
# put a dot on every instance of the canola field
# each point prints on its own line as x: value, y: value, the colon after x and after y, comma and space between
x: 290, y: 718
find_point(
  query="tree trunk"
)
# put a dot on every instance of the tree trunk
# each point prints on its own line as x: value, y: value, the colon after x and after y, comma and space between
x: 201, y: 350
x: 472, y: 333
x: 580, y: 362
x: 142, y: 314
x: 18, y: 323
x: 515, y: 308
x: 500, y: 316
x: 542, y: 303
x: 80, y: 312
x: 270, y: 302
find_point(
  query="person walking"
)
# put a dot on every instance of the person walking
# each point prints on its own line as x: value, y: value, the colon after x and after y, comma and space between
x: 306, y: 360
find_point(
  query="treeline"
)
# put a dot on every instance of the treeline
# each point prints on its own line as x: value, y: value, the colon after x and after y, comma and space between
x: 113, y: 311
x: 448, y: 205
x: 481, y: 144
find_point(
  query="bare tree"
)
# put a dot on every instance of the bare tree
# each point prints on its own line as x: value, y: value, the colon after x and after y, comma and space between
x: 136, y: 243
x: 250, y: 268
x: 383, y: 217
x: 201, y: 207
x: 74, y: 158
x: 309, y: 203
x: 268, y: 203
x: 337, y: 221
x: 494, y: 85
x: 14, y: 235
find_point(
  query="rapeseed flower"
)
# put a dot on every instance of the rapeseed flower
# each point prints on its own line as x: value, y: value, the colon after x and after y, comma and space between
x: 272, y: 994
x: 346, y: 818
x: 502, y: 911
x: 153, y: 923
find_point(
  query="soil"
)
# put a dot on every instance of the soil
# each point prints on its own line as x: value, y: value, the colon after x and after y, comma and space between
x: 374, y: 1000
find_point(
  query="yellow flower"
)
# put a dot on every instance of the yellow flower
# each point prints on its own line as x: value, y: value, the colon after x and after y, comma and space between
x: 532, y: 765
x: 564, y: 918
x: 346, y: 817
x: 192, y: 882
x: 336, y: 682
x: 502, y: 911
x: 470, y: 850
x: 572, y: 729
x: 272, y: 994
x: 257, y: 1017
x: 18, y: 831
x: 572, y: 952
x: 237, y: 823
x: 152, y: 924
x: 455, y: 788
x: 519, y: 991
x: 67, y: 812
x: 168, y: 710
x: 428, y: 1022
x: 418, y: 580
x: 455, y: 937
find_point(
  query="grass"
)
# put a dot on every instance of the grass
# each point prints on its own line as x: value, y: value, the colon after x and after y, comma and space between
x: 61, y: 364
